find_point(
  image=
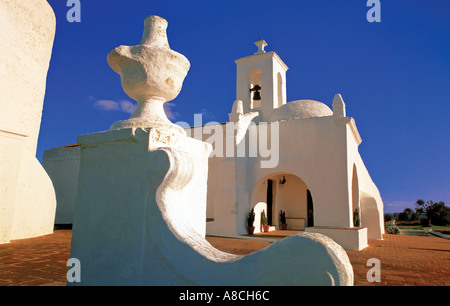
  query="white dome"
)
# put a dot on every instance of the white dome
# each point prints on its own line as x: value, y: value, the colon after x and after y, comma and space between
x: 301, y: 109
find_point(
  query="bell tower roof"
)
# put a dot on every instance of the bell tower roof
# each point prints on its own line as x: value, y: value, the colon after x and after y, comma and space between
x: 261, y: 44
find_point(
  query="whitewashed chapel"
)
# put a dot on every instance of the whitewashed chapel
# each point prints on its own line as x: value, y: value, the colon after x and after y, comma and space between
x: 313, y: 170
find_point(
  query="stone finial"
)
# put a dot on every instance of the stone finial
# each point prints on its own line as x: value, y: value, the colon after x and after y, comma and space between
x: 261, y: 44
x: 338, y: 106
x: 155, y: 33
x: 237, y: 111
x: 151, y: 74
x: 238, y: 107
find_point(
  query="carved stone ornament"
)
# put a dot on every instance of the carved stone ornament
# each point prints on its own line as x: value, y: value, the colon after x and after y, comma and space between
x: 151, y: 74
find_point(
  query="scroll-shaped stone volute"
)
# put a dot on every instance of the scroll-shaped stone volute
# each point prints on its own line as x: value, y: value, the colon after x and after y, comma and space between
x: 152, y: 74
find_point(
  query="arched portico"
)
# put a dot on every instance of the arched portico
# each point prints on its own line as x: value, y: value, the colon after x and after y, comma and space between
x: 371, y: 216
x: 287, y: 192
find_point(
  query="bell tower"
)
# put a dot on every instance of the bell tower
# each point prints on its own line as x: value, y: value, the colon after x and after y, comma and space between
x: 261, y: 82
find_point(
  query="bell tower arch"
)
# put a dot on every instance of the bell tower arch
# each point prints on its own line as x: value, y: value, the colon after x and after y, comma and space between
x: 261, y: 82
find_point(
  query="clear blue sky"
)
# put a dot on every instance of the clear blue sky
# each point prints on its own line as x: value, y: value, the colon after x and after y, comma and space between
x: 394, y: 75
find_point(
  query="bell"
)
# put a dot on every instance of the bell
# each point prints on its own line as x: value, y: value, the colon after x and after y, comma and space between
x: 256, y: 95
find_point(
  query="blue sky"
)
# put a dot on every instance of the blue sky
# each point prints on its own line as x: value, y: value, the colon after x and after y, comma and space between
x: 394, y: 76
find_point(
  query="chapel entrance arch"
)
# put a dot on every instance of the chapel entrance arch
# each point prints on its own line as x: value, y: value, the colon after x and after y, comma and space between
x: 287, y: 192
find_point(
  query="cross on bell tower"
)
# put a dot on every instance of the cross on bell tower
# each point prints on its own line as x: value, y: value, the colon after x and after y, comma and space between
x: 261, y: 82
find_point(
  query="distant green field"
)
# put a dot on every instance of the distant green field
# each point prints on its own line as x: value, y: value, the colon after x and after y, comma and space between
x: 442, y: 229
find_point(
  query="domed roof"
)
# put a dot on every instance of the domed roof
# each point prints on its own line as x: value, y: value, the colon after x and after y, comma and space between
x: 301, y: 109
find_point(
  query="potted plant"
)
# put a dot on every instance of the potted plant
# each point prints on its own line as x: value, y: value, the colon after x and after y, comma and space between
x: 283, y: 220
x: 356, y: 218
x: 250, y: 221
x: 264, y: 222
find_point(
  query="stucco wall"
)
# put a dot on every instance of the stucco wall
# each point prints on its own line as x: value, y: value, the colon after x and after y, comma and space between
x: 26, y: 35
x: 319, y: 154
x: 370, y: 203
x: 27, y: 197
x: 10, y: 161
x: 312, y: 149
x: 62, y: 165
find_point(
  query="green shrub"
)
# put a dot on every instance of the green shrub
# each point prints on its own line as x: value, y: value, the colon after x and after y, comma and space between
x: 393, y: 230
x: 264, y: 220
x: 251, y: 218
x: 283, y: 217
x: 356, y: 218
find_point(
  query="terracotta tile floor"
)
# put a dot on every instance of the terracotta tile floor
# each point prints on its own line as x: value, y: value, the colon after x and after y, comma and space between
x: 405, y: 260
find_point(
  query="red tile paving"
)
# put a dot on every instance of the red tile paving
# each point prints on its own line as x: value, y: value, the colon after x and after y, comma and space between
x: 405, y: 260
x: 36, y: 261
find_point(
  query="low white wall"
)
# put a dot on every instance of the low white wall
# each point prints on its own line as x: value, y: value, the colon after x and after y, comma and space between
x: 348, y: 238
x: 296, y: 223
x: 62, y: 165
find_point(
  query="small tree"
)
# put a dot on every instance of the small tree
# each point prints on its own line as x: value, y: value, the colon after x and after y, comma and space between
x: 423, y: 208
x: 407, y: 215
x: 264, y: 220
x: 440, y: 214
x: 251, y: 218
x: 436, y: 212
x: 388, y: 217
x: 356, y: 218
x: 283, y: 217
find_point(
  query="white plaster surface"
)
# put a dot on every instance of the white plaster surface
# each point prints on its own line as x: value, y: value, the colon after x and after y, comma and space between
x: 319, y: 151
x: 62, y: 166
x: 301, y: 109
x: 27, y: 197
x: 26, y: 35
x: 348, y: 238
x: 136, y: 223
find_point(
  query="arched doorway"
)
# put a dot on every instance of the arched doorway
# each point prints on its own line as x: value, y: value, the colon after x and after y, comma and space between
x: 284, y: 192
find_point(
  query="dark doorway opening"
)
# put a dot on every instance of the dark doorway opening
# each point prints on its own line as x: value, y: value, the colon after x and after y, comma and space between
x: 310, y: 209
x: 269, y: 200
